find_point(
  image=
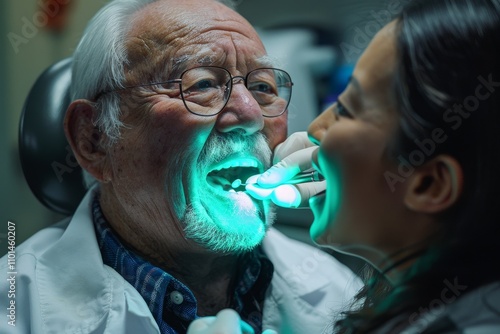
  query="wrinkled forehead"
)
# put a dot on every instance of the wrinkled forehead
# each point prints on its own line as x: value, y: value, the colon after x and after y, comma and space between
x: 175, y: 35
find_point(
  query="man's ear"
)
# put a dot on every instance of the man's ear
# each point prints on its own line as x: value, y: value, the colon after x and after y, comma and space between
x: 435, y: 186
x: 85, y: 139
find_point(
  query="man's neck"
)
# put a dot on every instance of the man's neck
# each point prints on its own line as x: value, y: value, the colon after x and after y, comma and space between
x: 210, y: 276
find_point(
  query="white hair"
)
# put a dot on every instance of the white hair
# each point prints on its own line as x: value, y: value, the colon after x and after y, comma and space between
x: 99, y: 60
x: 98, y: 65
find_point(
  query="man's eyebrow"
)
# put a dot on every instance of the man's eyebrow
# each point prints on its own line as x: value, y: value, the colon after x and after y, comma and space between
x: 266, y: 61
x: 185, y: 62
x: 182, y: 63
x: 179, y: 64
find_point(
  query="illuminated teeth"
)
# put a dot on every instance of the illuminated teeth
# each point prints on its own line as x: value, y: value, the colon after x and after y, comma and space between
x: 221, y: 183
x: 244, y: 162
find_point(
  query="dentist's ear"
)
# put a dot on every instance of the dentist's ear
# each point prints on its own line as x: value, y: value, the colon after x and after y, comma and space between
x: 435, y: 186
x: 85, y: 139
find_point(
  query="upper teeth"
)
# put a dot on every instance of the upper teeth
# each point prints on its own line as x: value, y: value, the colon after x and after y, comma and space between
x: 245, y: 162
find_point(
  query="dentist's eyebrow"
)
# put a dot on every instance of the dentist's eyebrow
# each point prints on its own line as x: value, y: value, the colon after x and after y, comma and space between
x: 351, y: 98
x: 355, y: 83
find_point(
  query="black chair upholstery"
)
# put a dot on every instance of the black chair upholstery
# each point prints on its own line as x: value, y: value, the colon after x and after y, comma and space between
x: 48, y: 163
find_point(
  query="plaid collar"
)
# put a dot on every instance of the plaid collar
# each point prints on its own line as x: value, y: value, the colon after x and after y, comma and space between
x: 171, y: 303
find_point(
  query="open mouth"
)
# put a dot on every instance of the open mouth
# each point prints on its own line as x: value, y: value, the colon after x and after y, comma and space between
x: 222, y: 175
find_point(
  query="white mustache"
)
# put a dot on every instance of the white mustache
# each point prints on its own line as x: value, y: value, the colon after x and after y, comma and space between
x: 220, y: 146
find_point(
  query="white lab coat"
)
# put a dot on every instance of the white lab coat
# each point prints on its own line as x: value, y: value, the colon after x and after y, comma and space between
x: 62, y: 285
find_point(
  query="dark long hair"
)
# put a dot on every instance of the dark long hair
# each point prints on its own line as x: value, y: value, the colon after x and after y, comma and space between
x: 447, y: 80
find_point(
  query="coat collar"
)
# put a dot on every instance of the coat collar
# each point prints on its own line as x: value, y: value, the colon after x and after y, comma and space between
x: 93, y: 293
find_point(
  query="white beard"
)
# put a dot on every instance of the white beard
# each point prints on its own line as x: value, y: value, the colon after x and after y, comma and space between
x: 233, y: 222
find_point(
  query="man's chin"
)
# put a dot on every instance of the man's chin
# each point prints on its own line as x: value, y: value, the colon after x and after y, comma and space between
x: 226, y: 221
x: 234, y: 204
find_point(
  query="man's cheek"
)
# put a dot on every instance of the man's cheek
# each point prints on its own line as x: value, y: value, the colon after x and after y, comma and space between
x: 275, y: 130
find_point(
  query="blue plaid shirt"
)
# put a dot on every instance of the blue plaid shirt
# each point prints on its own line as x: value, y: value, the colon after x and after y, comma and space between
x: 171, y: 303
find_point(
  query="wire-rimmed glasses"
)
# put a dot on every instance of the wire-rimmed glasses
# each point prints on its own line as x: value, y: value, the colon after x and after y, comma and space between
x: 205, y: 90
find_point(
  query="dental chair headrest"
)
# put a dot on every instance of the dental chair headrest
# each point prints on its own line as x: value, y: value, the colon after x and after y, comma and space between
x: 48, y: 163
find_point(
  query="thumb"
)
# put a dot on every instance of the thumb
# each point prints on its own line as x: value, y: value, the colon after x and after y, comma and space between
x: 269, y: 331
x: 308, y: 190
x: 295, y: 142
x: 287, y: 168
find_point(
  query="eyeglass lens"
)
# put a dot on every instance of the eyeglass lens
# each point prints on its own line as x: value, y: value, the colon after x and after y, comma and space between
x: 206, y: 90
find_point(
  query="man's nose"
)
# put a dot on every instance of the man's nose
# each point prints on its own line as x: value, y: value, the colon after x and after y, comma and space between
x: 241, y: 111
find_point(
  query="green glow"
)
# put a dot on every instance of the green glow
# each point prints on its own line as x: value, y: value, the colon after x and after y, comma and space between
x: 226, y: 220
x: 278, y: 175
x: 220, y: 217
x: 325, y: 208
x: 286, y: 196
x: 236, y: 183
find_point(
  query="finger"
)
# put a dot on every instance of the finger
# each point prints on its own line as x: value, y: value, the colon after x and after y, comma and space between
x: 295, y: 196
x: 228, y: 321
x: 287, y: 168
x: 301, y: 158
x: 200, y: 325
x: 277, y: 174
x: 286, y: 196
x: 256, y: 191
x: 246, y: 328
x: 308, y: 190
x: 252, y: 179
x: 295, y: 142
x: 269, y: 331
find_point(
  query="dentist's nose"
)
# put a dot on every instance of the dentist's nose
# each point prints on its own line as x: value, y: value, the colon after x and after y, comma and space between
x: 318, y: 128
x: 242, y: 112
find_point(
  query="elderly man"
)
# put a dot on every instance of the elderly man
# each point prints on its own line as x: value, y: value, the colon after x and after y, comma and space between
x: 172, y: 101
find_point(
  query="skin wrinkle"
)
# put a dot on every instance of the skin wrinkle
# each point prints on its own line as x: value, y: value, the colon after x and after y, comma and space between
x: 155, y: 178
x: 180, y: 29
x: 149, y: 245
x: 171, y: 70
x: 137, y: 108
x: 141, y: 72
x: 160, y: 41
x: 158, y: 229
x: 144, y: 42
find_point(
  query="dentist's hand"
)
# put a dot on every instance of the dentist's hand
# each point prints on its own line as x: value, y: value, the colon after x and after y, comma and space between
x: 226, y: 321
x: 291, y: 157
